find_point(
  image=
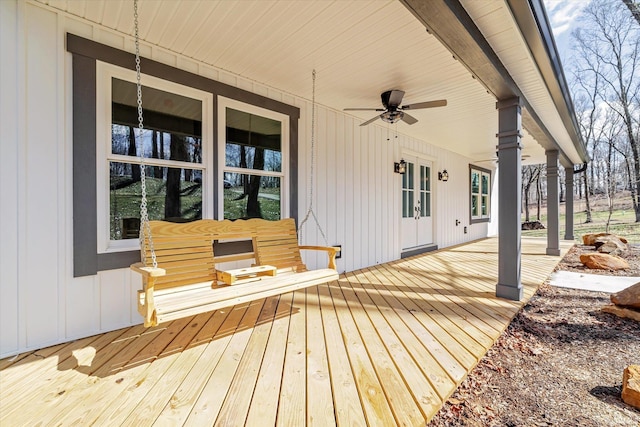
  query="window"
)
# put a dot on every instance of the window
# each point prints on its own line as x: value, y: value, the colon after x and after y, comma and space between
x: 253, y: 162
x: 188, y: 177
x: 480, y: 184
x: 172, y: 144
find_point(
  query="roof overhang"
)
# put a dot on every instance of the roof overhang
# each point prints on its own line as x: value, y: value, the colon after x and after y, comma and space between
x: 508, y: 46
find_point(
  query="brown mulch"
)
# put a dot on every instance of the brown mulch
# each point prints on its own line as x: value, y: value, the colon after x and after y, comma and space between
x: 559, y: 363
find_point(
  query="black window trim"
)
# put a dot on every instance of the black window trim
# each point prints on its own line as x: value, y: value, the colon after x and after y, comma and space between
x: 86, y: 259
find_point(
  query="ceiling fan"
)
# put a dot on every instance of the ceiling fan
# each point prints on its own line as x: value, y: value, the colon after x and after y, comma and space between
x: 394, y: 112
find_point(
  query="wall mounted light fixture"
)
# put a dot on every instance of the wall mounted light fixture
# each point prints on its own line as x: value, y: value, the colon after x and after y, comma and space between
x: 443, y: 176
x: 400, y: 167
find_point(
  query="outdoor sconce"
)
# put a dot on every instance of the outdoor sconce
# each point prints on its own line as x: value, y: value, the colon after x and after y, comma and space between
x: 401, y: 167
x: 443, y: 176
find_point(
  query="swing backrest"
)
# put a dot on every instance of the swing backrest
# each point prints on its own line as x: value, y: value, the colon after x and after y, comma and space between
x: 276, y: 244
x: 186, y: 250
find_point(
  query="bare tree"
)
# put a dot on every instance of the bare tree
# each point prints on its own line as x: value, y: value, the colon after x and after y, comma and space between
x: 530, y: 176
x: 611, y: 138
x: 609, y: 55
x: 634, y: 7
x: 586, y: 82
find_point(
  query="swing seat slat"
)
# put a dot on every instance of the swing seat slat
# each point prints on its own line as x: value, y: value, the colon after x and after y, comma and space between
x: 186, y: 280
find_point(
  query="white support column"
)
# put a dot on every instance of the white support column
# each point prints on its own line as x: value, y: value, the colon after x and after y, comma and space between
x: 568, y: 206
x: 553, y: 202
x: 509, y: 203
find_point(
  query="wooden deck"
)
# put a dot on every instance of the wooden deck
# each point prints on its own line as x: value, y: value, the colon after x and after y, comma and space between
x: 382, y: 346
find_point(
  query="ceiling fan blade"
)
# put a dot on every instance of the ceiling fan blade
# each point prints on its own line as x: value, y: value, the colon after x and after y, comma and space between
x: 409, y: 119
x: 363, y: 109
x: 370, y: 121
x: 428, y: 104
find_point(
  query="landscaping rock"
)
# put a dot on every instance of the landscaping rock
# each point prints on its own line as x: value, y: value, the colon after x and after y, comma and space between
x: 590, y: 239
x: 626, y: 313
x: 629, y: 297
x: 603, y: 262
x: 631, y: 386
x: 611, y: 244
x: 532, y: 225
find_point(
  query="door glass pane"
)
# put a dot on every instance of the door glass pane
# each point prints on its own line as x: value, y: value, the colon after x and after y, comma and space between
x: 253, y: 142
x: 426, y: 204
x: 173, y: 124
x: 172, y: 194
x: 409, y: 176
x: 407, y: 203
x: 251, y: 196
x: 425, y: 175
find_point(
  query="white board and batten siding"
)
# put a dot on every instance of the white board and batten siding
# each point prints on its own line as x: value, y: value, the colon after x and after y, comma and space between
x: 357, y: 197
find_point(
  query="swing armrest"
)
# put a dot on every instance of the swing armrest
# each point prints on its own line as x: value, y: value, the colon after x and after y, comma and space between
x: 331, y: 252
x: 148, y: 271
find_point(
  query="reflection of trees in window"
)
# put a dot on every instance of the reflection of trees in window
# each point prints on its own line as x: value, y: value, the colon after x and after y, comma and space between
x: 253, y: 143
x: 172, y: 199
x: 135, y: 173
x: 157, y: 152
x: 253, y: 206
x: 178, y: 189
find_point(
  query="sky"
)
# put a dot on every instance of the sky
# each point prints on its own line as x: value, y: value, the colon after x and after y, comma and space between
x: 563, y: 15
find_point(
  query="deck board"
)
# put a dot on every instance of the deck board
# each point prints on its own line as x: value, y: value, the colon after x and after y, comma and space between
x: 293, y: 392
x: 319, y: 396
x: 264, y: 405
x: 236, y: 405
x: 385, y: 345
x: 209, y: 403
x: 348, y: 408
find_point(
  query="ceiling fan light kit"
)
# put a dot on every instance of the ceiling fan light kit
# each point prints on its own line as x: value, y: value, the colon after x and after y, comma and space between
x: 393, y: 112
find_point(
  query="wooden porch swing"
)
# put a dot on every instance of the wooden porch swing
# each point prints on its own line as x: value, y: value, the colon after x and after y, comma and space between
x: 178, y: 266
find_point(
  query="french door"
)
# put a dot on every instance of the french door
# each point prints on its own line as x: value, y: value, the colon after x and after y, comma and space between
x: 417, y: 204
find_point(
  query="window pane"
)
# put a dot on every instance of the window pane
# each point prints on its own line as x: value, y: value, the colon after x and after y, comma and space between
x: 485, y: 183
x: 425, y: 202
x: 251, y: 196
x: 474, y: 205
x: 172, y: 194
x: 485, y: 205
x: 425, y: 173
x: 157, y: 144
x: 409, y: 175
x: 173, y: 124
x: 475, y: 182
x: 407, y: 203
x: 253, y: 142
x: 405, y: 178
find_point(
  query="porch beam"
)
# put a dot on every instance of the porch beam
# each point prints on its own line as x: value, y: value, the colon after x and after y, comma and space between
x: 553, y: 203
x: 509, y: 182
x: 450, y: 23
x: 568, y: 204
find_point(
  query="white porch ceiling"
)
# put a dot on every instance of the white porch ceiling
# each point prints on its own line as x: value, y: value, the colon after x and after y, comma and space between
x: 494, y: 20
x: 358, y: 48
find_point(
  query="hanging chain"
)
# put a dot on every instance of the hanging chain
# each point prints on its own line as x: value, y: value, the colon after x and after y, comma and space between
x: 145, y: 227
x: 310, y: 211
